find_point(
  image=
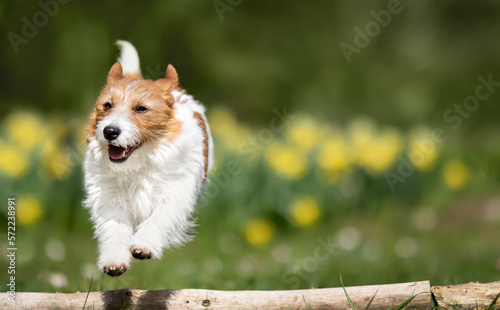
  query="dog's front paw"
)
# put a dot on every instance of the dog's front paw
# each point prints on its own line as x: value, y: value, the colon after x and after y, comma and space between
x: 115, y: 270
x: 140, y: 253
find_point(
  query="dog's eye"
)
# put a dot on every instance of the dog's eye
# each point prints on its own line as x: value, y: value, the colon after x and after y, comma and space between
x: 107, y: 106
x: 141, y: 109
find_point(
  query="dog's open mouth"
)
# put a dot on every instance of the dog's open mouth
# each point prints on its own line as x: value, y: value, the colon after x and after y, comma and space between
x: 118, y: 154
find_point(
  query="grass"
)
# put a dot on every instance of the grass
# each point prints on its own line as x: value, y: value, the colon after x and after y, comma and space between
x: 88, y: 292
x: 305, y: 302
x: 371, y: 300
x: 405, y: 303
x: 494, y: 302
x: 220, y: 258
x: 346, y: 294
x: 400, y: 307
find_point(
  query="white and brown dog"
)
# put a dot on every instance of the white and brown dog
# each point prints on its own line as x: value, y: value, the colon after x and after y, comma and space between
x: 148, y: 157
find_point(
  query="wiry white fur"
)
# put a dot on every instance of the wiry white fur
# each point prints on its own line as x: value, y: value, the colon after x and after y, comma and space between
x: 129, y: 59
x: 148, y: 201
x: 188, y: 103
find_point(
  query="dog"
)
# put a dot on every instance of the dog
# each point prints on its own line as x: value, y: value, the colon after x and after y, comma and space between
x: 149, y: 153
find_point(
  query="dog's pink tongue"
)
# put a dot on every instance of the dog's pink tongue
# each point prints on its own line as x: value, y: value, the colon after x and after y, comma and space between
x: 116, y: 152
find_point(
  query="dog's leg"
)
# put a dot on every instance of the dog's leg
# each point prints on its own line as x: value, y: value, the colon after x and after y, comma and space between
x: 114, y: 232
x: 169, y: 224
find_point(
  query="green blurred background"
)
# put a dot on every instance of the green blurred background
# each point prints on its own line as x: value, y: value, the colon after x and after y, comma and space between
x: 307, y: 202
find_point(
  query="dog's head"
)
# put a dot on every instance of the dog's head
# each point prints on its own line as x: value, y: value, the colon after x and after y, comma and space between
x: 132, y: 114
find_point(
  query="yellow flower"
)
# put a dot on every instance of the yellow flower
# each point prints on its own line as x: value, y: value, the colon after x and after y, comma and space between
x: 221, y: 120
x: 286, y: 160
x: 374, y: 150
x: 305, y: 211
x: 258, y: 232
x: 383, y: 150
x: 55, y: 160
x: 334, y: 158
x: 304, y: 133
x: 28, y: 210
x: 224, y: 127
x: 25, y: 130
x: 361, y: 132
x: 423, y: 151
x: 455, y: 174
x: 13, y: 160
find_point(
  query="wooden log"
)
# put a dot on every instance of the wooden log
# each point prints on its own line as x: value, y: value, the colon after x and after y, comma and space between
x: 469, y: 295
x: 384, y: 296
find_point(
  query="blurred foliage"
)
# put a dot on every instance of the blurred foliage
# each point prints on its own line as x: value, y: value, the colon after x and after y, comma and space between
x: 277, y: 194
x: 426, y: 59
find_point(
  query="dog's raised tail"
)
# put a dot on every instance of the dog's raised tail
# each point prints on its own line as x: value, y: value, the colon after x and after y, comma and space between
x: 129, y: 59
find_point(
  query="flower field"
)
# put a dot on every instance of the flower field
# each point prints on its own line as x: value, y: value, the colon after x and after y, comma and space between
x: 291, y: 204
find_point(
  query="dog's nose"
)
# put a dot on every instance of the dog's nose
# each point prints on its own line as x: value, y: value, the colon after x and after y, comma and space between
x: 111, y: 132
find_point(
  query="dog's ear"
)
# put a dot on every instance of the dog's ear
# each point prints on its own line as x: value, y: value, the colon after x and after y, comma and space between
x: 115, y: 73
x: 171, y: 78
x: 169, y: 83
x: 172, y: 75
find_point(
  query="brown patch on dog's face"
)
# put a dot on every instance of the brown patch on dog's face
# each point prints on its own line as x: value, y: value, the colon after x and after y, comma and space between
x: 147, y: 103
